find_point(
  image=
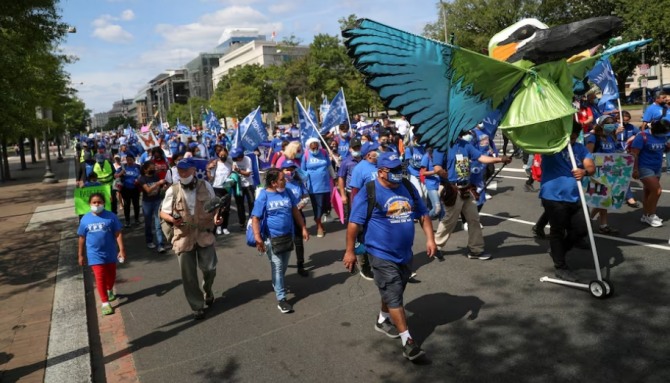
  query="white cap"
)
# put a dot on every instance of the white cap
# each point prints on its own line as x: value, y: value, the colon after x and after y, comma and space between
x: 311, y: 140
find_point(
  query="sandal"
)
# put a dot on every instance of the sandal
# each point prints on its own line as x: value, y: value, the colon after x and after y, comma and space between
x: 107, y: 310
x: 606, y: 230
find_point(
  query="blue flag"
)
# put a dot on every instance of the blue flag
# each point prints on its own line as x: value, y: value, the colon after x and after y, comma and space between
x: 213, y: 123
x: 491, y: 122
x: 603, y: 76
x: 251, y: 131
x: 183, y: 129
x: 200, y: 168
x: 337, y: 113
x: 307, y: 125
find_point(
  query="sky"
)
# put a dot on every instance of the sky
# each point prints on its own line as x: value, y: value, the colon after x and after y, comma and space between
x: 122, y: 44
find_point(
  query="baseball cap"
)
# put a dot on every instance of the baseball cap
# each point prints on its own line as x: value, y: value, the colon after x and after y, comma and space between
x: 186, y: 163
x: 388, y: 160
x: 355, y: 142
x: 236, y: 153
x: 288, y: 164
x: 101, y: 146
x: 369, y: 147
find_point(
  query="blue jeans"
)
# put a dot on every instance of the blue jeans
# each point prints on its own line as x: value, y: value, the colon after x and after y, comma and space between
x: 436, y: 205
x: 278, y: 264
x: 150, y: 210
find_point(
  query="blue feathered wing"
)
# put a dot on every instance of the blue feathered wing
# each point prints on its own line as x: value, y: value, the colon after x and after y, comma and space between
x: 441, y: 88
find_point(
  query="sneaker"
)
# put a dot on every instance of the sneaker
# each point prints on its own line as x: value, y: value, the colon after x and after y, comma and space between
x: 320, y: 234
x: 483, y: 256
x: 487, y: 196
x: 284, y: 306
x: 137, y: 222
x: 439, y: 256
x: 387, y: 328
x: 127, y: 225
x: 107, y: 309
x: 649, y: 220
x: 225, y: 231
x: 528, y: 188
x: 656, y: 218
x: 539, y: 233
x: 219, y: 231
x: 465, y: 226
x: 366, y: 273
x: 324, y: 218
x: 110, y: 296
x: 302, y: 272
x: 566, y: 275
x: 199, y: 314
x: 161, y: 249
x: 607, y: 230
x: 209, y: 300
x: 411, y: 350
x: 151, y: 245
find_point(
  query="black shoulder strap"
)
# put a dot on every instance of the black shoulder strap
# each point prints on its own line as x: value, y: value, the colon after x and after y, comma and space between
x: 410, y: 188
x: 665, y: 111
x: 372, y: 199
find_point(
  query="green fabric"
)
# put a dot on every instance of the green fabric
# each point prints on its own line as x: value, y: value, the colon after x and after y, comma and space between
x: 539, y: 119
x: 234, y: 181
x: 489, y: 77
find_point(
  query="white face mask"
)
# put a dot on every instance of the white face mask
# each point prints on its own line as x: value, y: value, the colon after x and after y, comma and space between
x: 97, y: 209
x: 467, y: 137
x: 186, y: 180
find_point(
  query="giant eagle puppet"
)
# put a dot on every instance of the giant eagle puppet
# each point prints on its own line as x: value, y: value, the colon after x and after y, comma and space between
x: 445, y: 89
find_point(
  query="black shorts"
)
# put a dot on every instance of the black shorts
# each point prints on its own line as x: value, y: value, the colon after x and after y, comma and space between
x: 391, y: 279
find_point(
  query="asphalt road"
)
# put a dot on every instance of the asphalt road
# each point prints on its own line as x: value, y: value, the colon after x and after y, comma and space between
x: 477, y: 320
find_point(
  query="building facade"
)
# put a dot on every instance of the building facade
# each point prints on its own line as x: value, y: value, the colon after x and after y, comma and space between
x: 200, y: 74
x: 167, y: 88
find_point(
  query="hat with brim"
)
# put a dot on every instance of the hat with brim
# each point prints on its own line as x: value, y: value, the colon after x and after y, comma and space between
x: 186, y: 163
x: 388, y: 160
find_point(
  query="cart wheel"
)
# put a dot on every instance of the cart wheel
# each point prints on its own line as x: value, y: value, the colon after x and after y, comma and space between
x: 598, y: 289
x: 608, y: 288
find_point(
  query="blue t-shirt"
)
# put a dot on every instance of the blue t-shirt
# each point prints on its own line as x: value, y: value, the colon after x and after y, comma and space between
x: 654, y: 113
x: 279, y: 210
x: 363, y: 173
x: 457, y: 161
x: 558, y: 183
x: 132, y: 174
x: 100, y: 234
x: 390, y: 232
x: 342, y: 146
x: 346, y: 170
x: 431, y: 182
x: 605, y: 144
x: 296, y: 188
x: 316, y: 167
x: 276, y: 145
x: 651, y: 150
x: 629, y: 130
x: 174, y: 147
x: 414, y: 154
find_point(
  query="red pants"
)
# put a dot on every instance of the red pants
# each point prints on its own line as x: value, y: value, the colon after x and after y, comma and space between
x: 105, y: 275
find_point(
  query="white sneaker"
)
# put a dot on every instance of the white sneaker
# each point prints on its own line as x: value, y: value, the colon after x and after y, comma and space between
x: 218, y: 230
x: 161, y: 249
x: 151, y: 245
x: 324, y: 218
x: 651, y: 220
x: 487, y: 196
x: 226, y: 232
x: 465, y: 226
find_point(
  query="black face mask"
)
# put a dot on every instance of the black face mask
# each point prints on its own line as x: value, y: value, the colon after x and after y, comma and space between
x: 151, y: 173
x: 223, y: 158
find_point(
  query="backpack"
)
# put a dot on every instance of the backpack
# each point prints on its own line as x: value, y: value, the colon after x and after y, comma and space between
x: 251, y: 240
x: 166, y: 227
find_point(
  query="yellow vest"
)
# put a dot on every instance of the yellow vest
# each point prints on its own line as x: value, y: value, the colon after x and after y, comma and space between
x: 105, y: 174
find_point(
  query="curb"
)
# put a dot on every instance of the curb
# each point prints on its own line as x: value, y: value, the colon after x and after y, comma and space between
x: 68, y: 354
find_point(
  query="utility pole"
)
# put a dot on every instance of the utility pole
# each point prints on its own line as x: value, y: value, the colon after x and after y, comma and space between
x: 444, y: 20
x: 660, y: 62
x: 643, y: 49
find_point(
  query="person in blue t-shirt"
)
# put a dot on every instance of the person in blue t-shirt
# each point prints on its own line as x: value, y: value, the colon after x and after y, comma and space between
x: 454, y: 171
x: 315, y: 162
x: 279, y: 208
x: 295, y: 186
x: 432, y: 184
x: 99, y: 235
x: 129, y: 174
x: 342, y: 140
x: 389, y: 237
x: 414, y: 153
x: 364, y: 172
x: 656, y: 111
x: 602, y: 141
x: 345, y: 172
x: 647, y: 148
x: 560, y: 198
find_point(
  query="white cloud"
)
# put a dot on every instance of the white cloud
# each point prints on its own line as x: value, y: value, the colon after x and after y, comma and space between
x: 113, y: 33
x: 284, y: 7
x: 127, y: 15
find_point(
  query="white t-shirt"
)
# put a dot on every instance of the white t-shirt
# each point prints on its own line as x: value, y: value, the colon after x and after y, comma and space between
x: 189, y: 197
x: 402, y: 127
x: 172, y: 175
x: 222, y: 172
x: 245, y: 164
x: 123, y: 140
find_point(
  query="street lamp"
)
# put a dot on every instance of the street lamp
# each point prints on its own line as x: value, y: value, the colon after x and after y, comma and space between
x: 49, y: 176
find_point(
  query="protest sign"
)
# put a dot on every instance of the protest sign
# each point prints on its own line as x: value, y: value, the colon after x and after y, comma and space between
x: 606, y: 189
x: 81, y: 196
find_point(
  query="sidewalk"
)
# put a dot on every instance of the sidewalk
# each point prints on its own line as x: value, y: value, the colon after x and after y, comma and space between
x: 28, y: 264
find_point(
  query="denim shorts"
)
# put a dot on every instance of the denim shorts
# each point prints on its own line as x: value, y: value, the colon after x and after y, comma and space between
x: 391, y: 279
x: 646, y: 172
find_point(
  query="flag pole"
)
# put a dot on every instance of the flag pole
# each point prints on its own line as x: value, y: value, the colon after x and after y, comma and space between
x: 346, y: 106
x: 315, y: 128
